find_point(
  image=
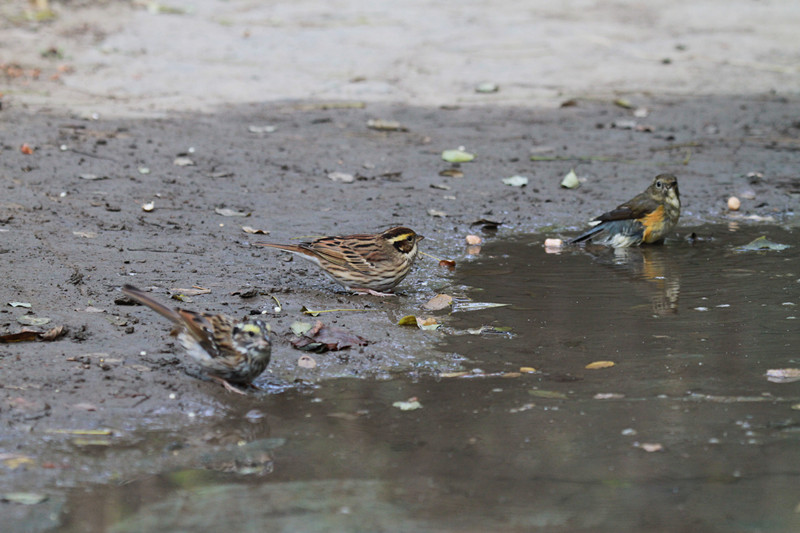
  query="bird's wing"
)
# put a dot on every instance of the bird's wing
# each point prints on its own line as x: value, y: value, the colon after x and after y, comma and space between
x: 348, y: 253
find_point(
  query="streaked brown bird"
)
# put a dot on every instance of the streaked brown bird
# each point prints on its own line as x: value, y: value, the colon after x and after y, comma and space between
x: 227, y: 350
x: 646, y: 219
x: 371, y: 263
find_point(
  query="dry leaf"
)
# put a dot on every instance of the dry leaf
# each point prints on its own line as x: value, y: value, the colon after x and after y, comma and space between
x: 194, y: 291
x: 428, y: 323
x: 306, y: 361
x: 527, y: 369
x: 224, y: 211
x: 53, y: 333
x: 437, y: 213
x: 438, y: 302
x: 85, y: 234
x: 341, y: 177
x: 452, y: 173
x: 321, y: 338
x: 409, y: 405
x: 183, y: 162
x: 149, y: 206
x: 26, y: 149
x: 600, y: 364
x: 650, y: 447
x: 22, y: 336
x: 384, y: 125
x: 248, y: 229
x: 449, y: 264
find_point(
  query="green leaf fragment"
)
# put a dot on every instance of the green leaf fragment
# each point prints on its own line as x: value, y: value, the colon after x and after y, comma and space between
x: 457, y: 156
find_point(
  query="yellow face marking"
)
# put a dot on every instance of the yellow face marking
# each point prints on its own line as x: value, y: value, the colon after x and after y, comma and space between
x: 402, y: 237
x: 251, y: 328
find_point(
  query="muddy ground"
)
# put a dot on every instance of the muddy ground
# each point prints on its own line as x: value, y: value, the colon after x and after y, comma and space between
x: 73, y: 229
x: 69, y: 243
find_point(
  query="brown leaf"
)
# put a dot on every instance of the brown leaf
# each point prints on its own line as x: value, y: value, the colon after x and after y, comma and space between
x: 53, y: 333
x: 306, y: 361
x: 22, y: 336
x: 438, y: 302
x: 194, y: 291
x: 322, y: 338
x: 449, y: 264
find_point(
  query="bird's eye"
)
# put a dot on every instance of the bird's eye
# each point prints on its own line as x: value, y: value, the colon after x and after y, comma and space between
x: 659, y: 184
x: 251, y: 333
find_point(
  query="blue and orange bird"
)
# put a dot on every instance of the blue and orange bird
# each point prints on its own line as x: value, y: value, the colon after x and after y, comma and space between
x: 646, y: 219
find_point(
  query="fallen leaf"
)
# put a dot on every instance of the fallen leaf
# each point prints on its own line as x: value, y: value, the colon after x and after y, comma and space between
x: 30, y: 320
x: 341, y: 177
x: 762, y: 243
x: 311, y: 312
x: 53, y: 333
x: 14, y: 461
x: 449, y: 264
x: 457, y: 156
x: 93, y: 309
x: 550, y: 394
x: 440, y: 186
x: 85, y: 406
x: 527, y: 369
x: 452, y: 173
x: 261, y: 129
x: 183, y: 162
x: 409, y: 405
x: 92, y: 177
x: 25, y: 498
x: 224, y: 211
x: 321, y: 338
x: 194, y: 291
x: 438, y: 302
x: 149, y: 206
x: 454, y: 374
x: 487, y: 87
x: 85, y: 234
x: 85, y: 432
x: 608, y: 396
x: 19, y: 304
x: 650, y: 446
x: 783, y: 375
x: 599, y: 364
x: 26, y: 149
x: 516, y: 181
x: 306, y: 361
x: 22, y: 336
x: 487, y: 224
x: 384, y: 125
x: 408, y: 320
x: 623, y: 103
x: 437, y: 213
x: 300, y: 328
x: 248, y: 229
x: 428, y: 324
x: 570, y: 181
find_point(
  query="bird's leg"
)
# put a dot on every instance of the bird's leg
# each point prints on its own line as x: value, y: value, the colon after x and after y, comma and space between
x: 372, y: 292
x: 227, y: 385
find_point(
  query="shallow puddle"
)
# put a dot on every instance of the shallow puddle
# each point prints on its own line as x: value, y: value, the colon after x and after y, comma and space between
x: 683, y: 433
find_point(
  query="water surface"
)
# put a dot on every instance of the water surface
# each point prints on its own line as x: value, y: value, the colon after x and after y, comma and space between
x: 683, y: 433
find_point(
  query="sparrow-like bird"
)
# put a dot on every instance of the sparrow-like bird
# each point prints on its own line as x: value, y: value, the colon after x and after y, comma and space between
x: 229, y: 351
x: 647, y: 218
x: 371, y: 263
